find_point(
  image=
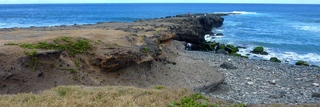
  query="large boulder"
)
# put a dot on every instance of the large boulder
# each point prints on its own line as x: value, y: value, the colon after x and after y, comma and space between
x: 231, y: 49
x: 194, y: 29
x: 227, y: 65
x: 259, y: 50
x: 274, y: 59
x: 304, y: 63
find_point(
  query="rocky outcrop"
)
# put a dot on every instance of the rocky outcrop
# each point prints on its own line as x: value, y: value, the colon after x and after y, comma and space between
x: 192, y: 30
x: 118, y: 51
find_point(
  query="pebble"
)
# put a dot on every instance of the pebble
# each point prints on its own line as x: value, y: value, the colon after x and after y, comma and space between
x: 315, y: 84
x: 273, y: 82
x: 316, y: 94
x: 264, y: 82
x: 250, y: 83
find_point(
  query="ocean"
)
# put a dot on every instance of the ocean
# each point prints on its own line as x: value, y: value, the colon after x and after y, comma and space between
x: 290, y: 32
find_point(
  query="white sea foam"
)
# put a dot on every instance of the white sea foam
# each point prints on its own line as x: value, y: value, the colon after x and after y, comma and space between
x: 243, y: 12
x: 211, y: 38
x: 2, y: 25
x: 235, y: 12
x: 285, y: 57
x: 308, y: 28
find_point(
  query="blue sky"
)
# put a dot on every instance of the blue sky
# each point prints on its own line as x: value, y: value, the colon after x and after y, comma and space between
x: 160, y: 1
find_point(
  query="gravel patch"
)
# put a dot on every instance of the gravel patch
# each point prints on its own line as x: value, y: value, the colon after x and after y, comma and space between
x: 263, y: 82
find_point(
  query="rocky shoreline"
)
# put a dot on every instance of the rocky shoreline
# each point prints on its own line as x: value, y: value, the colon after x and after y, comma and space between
x: 263, y: 82
x: 145, y: 53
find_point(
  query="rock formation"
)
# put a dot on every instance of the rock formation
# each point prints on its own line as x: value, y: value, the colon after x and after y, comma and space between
x: 115, y: 47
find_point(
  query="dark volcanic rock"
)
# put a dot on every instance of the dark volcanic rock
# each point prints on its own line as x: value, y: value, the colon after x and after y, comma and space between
x: 274, y: 59
x: 194, y: 29
x: 222, y: 51
x: 316, y: 94
x: 227, y: 65
x: 220, y: 46
x: 231, y: 49
x: 219, y: 34
x: 259, y: 50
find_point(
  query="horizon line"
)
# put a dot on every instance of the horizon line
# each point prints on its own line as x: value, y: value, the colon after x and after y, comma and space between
x: 157, y: 3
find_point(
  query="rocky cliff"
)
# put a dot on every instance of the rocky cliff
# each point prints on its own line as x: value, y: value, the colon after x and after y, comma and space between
x: 33, y: 59
x: 192, y: 30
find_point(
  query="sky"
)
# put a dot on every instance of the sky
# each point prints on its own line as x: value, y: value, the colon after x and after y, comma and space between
x: 160, y: 1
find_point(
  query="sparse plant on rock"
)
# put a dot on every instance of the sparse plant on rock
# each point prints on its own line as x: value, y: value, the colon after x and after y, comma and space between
x: 34, y: 59
x: 146, y: 50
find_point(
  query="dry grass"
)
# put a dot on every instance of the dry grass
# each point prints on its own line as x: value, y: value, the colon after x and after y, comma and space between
x: 82, y: 96
x: 110, y: 96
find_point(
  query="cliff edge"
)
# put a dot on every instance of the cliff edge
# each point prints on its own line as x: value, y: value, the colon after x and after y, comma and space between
x: 141, y: 53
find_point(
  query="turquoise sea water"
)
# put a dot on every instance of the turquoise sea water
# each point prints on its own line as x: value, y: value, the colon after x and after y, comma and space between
x: 288, y: 31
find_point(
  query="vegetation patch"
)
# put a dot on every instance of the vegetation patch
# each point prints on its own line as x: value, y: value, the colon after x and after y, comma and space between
x: 231, y: 49
x: 75, y: 78
x: 197, y: 100
x: 72, y: 46
x: 34, y: 60
x: 72, y: 70
x: 159, y: 87
x: 210, y: 45
x: 146, y: 50
x: 111, y: 96
x: 66, y: 43
x: 304, y: 63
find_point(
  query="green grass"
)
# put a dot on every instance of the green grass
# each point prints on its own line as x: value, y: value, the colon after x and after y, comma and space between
x: 71, y: 45
x: 146, y: 50
x: 75, y: 78
x: 11, y: 44
x: 159, y: 87
x: 66, y: 43
x: 34, y: 60
x: 72, y: 70
x: 197, y: 100
x: 77, y: 63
